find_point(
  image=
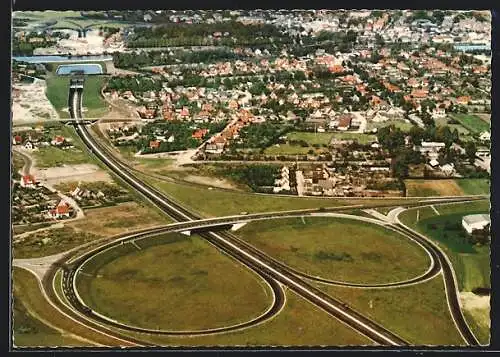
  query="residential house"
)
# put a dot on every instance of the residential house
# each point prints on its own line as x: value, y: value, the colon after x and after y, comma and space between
x: 28, y: 181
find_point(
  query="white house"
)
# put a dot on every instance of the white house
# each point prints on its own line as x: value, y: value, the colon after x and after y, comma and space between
x: 475, y: 221
x: 485, y: 136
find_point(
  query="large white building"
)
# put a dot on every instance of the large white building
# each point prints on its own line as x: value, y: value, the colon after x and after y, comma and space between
x: 475, y: 221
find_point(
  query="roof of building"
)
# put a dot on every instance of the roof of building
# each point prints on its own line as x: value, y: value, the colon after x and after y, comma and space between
x: 477, y: 218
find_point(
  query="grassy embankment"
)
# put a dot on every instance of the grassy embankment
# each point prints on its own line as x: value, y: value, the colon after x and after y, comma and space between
x: 94, y: 105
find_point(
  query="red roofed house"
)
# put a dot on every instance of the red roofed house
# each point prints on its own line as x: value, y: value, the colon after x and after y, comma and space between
x: 344, y: 122
x: 463, y: 100
x: 58, y: 140
x: 17, y: 140
x: 62, y: 210
x: 154, y: 144
x: 184, y: 112
x: 199, y: 134
x: 28, y: 181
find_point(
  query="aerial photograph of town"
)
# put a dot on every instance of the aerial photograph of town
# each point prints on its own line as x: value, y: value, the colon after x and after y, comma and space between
x: 250, y: 178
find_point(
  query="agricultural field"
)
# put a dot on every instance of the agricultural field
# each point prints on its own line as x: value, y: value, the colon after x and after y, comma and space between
x: 424, y: 188
x: 418, y: 313
x: 472, y: 122
x: 338, y: 249
x: 474, y: 186
x: 93, y: 104
x: 447, y: 187
x: 471, y: 263
x: 145, y: 283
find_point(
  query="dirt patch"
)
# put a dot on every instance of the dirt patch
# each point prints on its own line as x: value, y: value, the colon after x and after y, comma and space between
x: 118, y: 219
x: 30, y: 103
x: 210, y: 181
x: 471, y: 301
x: 433, y: 187
x: 68, y: 173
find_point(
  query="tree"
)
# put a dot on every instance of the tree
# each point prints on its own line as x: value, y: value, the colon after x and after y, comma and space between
x: 470, y: 151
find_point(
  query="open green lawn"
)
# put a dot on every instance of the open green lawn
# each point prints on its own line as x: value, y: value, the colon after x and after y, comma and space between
x: 172, y: 282
x: 51, y: 156
x: 32, y: 309
x: 361, y: 138
x: 471, y: 263
x: 93, y: 104
x: 418, y: 313
x: 472, y: 122
x: 397, y: 123
x: 311, y: 138
x: 338, y: 249
x: 474, y: 186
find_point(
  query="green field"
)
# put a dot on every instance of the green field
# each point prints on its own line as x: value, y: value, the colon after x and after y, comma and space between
x: 472, y: 122
x: 311, y: 138
x: 360, y: 138
x: 397, y: 123
x: 474, y: 186
x: 418, y: 313
x: 338, y: 249
x: 57, y: 93
x: 471, y: 263
x: 51, y: 156
x: 172, y: 282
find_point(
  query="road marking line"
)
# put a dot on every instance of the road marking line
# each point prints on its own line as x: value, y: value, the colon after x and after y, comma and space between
x: 135, y: 244
x: 435, y: 210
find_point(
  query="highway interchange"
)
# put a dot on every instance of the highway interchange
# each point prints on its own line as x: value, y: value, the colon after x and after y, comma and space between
x: 276, y: 274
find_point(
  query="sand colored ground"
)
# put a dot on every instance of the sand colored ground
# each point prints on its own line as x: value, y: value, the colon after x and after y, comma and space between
x: 66, y: 173
x: 432, y: 188
x: 31, y: 104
